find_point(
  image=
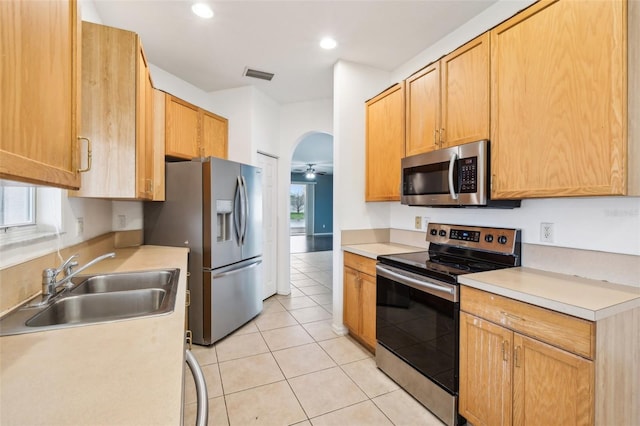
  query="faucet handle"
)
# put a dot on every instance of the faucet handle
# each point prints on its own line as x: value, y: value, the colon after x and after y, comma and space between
x: 68, y: 265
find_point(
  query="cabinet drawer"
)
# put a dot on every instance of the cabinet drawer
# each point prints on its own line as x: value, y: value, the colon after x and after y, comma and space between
x: 360, y: 263
x: 564, y: 331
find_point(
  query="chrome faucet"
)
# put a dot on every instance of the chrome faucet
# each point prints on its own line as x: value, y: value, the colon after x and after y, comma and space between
x: 50, y: 285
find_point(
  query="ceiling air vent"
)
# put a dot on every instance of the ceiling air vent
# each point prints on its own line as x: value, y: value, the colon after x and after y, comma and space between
x: 262, y: 75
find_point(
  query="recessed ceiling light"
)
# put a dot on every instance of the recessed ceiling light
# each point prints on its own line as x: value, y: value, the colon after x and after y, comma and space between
x: 202, y: 10
x: 328, y: 43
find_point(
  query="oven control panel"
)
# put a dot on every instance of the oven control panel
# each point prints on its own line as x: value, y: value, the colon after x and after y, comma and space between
x: 502, y: 240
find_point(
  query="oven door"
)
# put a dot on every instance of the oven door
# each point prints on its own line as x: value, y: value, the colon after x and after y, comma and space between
x: 417, y: 319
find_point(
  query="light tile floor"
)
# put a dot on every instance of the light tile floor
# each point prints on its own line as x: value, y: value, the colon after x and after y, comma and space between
x: 288, y: 367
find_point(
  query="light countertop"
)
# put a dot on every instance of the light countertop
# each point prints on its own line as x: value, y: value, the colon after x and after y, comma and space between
x: 373, y: 250
x: 127, y: 372
x: 583, y: 298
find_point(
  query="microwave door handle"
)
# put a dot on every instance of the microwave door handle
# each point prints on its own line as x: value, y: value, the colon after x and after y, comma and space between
x: 452, y: 189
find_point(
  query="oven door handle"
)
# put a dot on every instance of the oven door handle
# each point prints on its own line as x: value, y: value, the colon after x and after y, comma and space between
x: 421, y: 284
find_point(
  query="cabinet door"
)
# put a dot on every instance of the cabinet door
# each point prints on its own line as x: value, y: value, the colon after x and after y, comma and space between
x: 144, y: 130
x: 110, y: 100
x: 158, y: 135
x: 368, y: 306
x: 384, y: 145
x: 181, y: 131
x: 352, y: 308
x: 465, y: 93
x: 558, y: 101
x: 550, y: 386
x: 214, y: 135
x: 423, y: 111
x: 39, y: 108
x: 485, y: 371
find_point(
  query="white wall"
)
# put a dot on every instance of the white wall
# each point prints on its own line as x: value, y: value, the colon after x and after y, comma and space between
x: 296, y: 121
x: 352, y: 85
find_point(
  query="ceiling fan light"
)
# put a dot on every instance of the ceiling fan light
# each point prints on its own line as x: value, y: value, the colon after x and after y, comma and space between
x: 310, y: 175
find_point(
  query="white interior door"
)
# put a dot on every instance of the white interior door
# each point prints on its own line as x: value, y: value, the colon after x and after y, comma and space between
x: 269, y: 167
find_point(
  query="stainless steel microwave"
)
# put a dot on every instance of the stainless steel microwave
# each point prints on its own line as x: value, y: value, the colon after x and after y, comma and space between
x: 457, y: 176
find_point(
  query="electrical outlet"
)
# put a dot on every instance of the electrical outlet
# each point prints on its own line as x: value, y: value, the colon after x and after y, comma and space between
x: 418, y: 224
x: 546, y: 232
x: 79, y: 226
x: 122, y: 221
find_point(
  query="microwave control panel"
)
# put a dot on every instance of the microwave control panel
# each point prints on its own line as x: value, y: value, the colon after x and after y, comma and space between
x: 468, y: 174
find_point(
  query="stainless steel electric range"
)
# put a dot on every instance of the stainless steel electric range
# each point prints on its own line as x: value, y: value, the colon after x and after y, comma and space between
x: 417, y: 309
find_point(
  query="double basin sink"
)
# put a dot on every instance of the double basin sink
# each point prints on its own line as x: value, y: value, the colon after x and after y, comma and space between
x: 98, y: 298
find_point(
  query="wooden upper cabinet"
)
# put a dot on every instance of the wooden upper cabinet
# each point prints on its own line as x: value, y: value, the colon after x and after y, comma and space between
x: 465, y: 93
x: 448, y: 101
x: 423, y: 110
x: 194, y: 132
x: 559, y: 101
x: 214, y: 135
x: 384, y: 144
x: 39, y: 108
x: 182, y: 123
x: 117, y: 113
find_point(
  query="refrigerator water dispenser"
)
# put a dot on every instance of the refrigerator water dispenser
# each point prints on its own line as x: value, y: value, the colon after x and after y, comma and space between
x: 224, y: 208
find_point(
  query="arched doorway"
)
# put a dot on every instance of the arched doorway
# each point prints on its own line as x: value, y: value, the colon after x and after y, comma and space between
x: 311, y: 194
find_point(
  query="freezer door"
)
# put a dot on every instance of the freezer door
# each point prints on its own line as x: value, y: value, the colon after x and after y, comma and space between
x: 236, y: 297
x: 252, y: 229
x: 222, y: 214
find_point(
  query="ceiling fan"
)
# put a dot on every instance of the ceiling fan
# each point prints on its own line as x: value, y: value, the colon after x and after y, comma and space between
x: 310, y: 172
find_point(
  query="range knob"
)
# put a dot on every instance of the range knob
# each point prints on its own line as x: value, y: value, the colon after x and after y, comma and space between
x: 443, y: 233
x: 488, y: 238
x: 502, y: 239
x: 433, y: 231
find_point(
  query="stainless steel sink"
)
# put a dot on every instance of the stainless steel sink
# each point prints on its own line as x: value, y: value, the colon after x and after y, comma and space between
x: 97, y: 299
x: 96, y: 307
x: 107, y: 283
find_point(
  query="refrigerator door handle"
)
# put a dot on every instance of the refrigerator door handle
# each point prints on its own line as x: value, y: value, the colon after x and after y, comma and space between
x: 237, y: 270
x: 237, y: 211
x: 245, y: 224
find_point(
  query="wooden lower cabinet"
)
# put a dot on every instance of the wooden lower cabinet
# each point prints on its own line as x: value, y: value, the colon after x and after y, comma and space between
x: 507, y: 378
x: 522, y: 364
x: 550, y: 386
x: 360, y: 298
x: 485, y: 373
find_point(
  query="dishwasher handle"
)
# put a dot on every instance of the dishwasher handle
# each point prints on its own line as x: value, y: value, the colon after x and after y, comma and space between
x: 202, y: 415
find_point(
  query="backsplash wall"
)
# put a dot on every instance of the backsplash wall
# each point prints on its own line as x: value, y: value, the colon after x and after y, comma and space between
x: 608, y: 224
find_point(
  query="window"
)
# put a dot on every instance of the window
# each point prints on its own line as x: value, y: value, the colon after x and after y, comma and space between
x: 17, y: 205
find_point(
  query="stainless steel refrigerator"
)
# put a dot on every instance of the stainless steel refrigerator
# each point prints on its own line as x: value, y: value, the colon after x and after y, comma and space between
x: 214, y: 207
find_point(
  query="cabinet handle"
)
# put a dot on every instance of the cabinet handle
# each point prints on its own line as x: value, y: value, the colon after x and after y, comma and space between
x: 187, y: 302
x: 511, y: 316
x: 505, y: 348
x: 516, y: 356
x: 435, y: 138
x: 441, y: 137
x: 88, y: 155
